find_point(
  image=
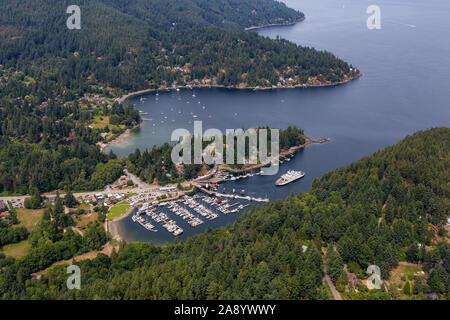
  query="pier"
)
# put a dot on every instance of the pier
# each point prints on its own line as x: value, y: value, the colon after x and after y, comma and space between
x: 233, y: 196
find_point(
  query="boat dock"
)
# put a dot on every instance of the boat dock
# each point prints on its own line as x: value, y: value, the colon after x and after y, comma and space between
x: 233, y: 196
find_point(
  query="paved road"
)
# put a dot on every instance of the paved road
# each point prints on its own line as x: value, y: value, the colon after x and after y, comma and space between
x: 78, y: 194
x: 140, y: 187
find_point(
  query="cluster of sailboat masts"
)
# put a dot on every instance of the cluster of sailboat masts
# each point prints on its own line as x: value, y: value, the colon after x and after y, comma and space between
x: 158, y: 217
x: 193, y: 210
x: 194, y: 116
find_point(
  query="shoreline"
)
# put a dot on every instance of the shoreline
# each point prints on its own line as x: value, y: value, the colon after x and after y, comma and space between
x: 113, y: 226
x: 119, y: 139
x: 125, y: 97
x: 283, y: 154
x: 114, y: 231
x: 275, y: 25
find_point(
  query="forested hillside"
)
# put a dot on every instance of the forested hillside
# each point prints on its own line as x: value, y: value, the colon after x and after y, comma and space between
x: 50, y: 147
x: 135, y: 52
x: 181, y: 14
x: 374, y: 211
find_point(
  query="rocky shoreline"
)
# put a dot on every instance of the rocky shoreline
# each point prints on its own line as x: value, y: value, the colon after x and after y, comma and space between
x: 283, y: 154
x: 257, y: 88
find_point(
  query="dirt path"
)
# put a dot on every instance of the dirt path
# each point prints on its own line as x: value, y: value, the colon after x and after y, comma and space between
x: 107, y: 249
x: 77, y: 230
x: 336, y: 294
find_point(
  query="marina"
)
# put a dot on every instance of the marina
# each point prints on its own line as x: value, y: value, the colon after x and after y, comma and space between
x: 160, y: 218
x: 219, y: 198
x: 187, y: 212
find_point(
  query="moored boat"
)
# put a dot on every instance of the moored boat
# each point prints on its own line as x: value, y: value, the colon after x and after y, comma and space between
x: 289, y: 177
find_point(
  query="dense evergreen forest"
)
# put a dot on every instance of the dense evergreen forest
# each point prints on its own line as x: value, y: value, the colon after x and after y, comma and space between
x: 181, y: 14
x: 52, y: 147
x: 131, y: 51
x: 389, y: 206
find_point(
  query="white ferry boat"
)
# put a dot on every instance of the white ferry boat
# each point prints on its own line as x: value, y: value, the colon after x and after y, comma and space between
x: 289, y: 177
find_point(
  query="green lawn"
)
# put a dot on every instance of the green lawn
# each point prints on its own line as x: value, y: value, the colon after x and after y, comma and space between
x: 118, y: 210
x: 16, y: 250
x: 406, y: 272
x: 29, y: 219
x: 84, y: 219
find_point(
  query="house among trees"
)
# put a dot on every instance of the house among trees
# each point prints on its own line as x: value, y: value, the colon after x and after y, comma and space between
x: 4, y: 215
x: 352, y: 280
x: 123, y: 180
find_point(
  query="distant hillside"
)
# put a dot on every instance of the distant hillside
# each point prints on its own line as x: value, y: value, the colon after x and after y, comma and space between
x: 134, y: 45
x: 180, y: 14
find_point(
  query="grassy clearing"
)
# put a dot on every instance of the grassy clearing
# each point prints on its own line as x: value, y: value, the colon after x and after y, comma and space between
x: 29, y: 218
x: 85, y: 219
x: 100, y: 122
x: 84, y: 206
x: 409, y: 271
x: 400, y: 275
x: 118, y: 210
x: 16, y: 250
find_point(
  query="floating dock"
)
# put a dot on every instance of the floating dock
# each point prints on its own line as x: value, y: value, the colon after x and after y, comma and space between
x: 233, y: 196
